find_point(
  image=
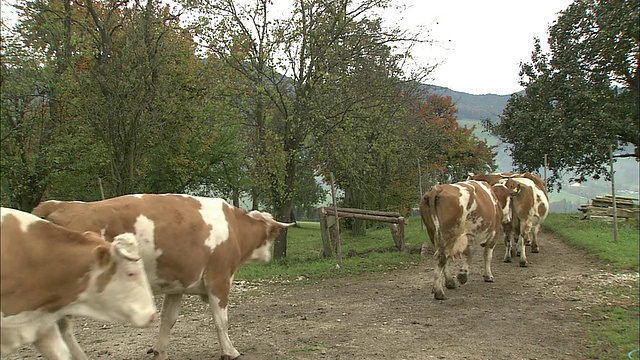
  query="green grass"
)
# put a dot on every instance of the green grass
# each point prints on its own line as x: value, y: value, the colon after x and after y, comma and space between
x: 376, y: 252
x: 596, y: 238
x: 613, y: 330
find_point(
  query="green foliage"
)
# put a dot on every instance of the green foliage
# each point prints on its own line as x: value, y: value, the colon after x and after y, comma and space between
x: 596, y: 237
x: 580, y: 98
x: 113, y: 92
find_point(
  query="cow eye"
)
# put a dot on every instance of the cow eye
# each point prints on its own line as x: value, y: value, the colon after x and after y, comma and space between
x: 131, y: 273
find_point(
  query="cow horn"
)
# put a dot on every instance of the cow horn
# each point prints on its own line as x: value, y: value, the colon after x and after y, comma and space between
x: 285, y: 225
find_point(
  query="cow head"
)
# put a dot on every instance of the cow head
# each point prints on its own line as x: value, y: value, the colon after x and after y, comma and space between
x: 504, y: 190
x: 119, y: 288
x: 272, y: 229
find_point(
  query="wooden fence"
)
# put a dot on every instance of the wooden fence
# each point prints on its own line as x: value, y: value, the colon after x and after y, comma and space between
x: 328, y: 220
x: 601, y: 207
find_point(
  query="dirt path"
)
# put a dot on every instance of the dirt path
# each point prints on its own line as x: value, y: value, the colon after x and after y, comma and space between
x: 527, y: 313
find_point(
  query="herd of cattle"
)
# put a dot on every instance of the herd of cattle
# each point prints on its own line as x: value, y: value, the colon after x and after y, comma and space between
x: 106, y: 259
x: 482, y: 210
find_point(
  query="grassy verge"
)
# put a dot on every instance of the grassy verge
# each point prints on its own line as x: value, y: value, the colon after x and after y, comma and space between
x: 613, y: 329
x: 596, y: 238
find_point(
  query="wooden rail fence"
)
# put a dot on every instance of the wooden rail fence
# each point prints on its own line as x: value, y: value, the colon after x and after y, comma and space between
x: 328, y: 219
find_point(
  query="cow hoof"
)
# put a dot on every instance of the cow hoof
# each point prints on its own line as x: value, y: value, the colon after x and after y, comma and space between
x: 523, y: 264
x: 450, y: 284
x: 228, y: 357
x: 439, y: 296
x: 462, y: 278
x: 488, y: 279
x: 156, y: 354
x: 535, y: 250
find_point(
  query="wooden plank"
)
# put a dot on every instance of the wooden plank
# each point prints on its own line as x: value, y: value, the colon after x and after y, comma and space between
x: 386, y: 219
x: 609, y: 212
x: 370, y: 212
x: 618, y: 197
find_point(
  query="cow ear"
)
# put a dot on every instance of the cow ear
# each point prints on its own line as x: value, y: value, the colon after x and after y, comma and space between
x: 516, y: 190
x: 103, y: 255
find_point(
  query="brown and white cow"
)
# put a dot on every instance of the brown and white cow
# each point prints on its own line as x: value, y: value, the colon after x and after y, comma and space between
x: 530, y: 208
x: 189, y: 244
x: 494, y: 178
x: 49, y: 272
x: 458, y: 215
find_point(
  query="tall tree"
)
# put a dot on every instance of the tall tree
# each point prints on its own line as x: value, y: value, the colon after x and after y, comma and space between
x: 123, y: 98
x: 580, y: 98
x: 299, y: 69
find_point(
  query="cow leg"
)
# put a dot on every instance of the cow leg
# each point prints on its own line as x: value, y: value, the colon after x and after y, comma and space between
x: 521, y: 249
x: 488, y: 256
x: 534, y: 241
x: 509, y: 245
x: 463, y: 274
x: 51, y: 345
x: 439, y: 276
x: 66, y: 329
x: 507, y: 249
x: 168, y: 317
x: 218, y: 302
x: 449, y: 281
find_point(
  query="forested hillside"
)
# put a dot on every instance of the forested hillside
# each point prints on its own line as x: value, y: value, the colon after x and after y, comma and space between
x: 474, y: 107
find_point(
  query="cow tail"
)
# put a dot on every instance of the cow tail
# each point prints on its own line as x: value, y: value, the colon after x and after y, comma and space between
x: 432, y: 201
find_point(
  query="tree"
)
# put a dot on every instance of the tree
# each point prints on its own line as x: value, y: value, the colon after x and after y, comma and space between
x: 113, y: 91
x: 448, y: 152
x: 580, y: 98
x: 299, y: 69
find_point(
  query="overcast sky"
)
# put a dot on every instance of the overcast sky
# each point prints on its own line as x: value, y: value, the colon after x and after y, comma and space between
x: 485, y: 40
x: 478, y: 43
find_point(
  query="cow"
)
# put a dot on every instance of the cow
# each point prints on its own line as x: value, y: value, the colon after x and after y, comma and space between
x: 494, y: 178
x: 530, y: 208
x: 49, y: 272
x: 189, y: 245
x: 458, y: 215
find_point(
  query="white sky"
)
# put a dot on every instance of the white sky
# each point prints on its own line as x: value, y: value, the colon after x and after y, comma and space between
x: 478, y: 43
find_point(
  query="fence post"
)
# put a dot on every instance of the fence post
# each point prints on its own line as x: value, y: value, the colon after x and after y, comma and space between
x: 324, y: 232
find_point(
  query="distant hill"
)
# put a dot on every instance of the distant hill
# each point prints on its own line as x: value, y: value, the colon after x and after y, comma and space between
x: 473, y: 107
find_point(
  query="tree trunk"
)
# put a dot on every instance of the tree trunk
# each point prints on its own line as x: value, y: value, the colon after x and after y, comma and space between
x: 359, y: 226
